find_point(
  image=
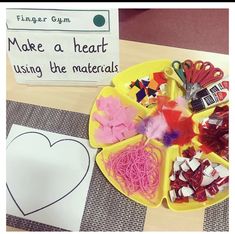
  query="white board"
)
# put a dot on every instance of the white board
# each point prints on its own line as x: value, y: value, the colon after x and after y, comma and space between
x: 63, y: 47
x: 48, y: 176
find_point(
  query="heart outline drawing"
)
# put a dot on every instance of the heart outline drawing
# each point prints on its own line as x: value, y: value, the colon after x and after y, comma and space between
x: 51, y: 145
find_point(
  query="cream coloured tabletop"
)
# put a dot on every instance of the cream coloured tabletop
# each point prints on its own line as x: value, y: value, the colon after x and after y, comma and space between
x: 80, y: 99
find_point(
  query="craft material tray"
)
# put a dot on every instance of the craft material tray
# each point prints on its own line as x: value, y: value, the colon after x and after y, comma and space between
x: 120, y: 90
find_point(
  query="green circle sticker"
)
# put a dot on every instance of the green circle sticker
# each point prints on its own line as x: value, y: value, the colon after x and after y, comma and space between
x: 99, y: 20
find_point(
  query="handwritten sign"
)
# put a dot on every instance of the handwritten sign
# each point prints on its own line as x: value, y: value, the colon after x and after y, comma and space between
x: 63, y: 47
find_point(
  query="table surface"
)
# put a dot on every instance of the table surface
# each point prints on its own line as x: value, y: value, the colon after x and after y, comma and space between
x: 81, y: 99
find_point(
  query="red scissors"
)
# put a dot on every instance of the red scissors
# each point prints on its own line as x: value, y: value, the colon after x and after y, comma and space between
x: 191, y: 70
x: 209, y: 74
x: 199, y: 75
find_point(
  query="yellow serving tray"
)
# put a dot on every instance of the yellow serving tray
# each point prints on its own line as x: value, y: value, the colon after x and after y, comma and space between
x: 121, y: 83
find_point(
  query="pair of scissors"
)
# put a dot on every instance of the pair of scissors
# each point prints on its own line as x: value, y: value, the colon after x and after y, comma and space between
x: 183, y: 74
x: 199, y: 75
x: 177, y: 66
x: 171, y: 74
x: 191, y: 73
x: 209, y: 74
x: 185, y: 71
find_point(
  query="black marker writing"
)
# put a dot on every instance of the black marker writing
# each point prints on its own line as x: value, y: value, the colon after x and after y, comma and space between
x: 99, y: 48
x: 31, y: 19
x: 56, y: 68
x: 60, y: 20
x: 89, y: 68
x: 28, y: 69
x: 58, y: 48
x: 29, y: 46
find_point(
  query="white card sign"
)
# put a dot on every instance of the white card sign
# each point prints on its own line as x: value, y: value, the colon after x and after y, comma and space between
x: 63, y: 47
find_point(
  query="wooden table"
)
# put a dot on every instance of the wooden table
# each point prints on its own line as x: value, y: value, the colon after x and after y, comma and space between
x: 81, y: 99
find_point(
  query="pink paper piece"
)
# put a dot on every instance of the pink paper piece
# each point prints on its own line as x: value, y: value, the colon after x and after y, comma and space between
x: 117, y: 122
x: 101, y: 119
x: 105, y: 135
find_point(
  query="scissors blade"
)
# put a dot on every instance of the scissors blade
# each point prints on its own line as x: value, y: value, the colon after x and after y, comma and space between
x: 188, y: 91
x: 191, y: 90
x: 194, y: 89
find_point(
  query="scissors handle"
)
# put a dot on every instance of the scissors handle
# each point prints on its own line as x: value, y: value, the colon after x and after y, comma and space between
x: 170, y: 73
x: 215, y: 75
x: 177, y: 66
x: 188, y: 67
x: 196, y: 71
x: 203, y: 74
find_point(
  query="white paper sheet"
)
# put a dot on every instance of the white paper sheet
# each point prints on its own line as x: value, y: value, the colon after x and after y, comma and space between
x: 48, y: 176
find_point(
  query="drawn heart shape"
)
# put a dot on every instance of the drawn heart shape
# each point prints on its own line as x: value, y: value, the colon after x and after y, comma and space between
x: 43, y: 173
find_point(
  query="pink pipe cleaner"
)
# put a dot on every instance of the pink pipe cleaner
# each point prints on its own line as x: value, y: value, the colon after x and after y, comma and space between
x: 136, y: 169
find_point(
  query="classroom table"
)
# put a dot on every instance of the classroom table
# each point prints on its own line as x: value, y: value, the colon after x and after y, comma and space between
x: 81, y: 99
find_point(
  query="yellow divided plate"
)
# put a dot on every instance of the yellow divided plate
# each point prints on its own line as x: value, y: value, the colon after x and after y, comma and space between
x: 106, y: 92
x: 165, y: 169
x: 121, y: 82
